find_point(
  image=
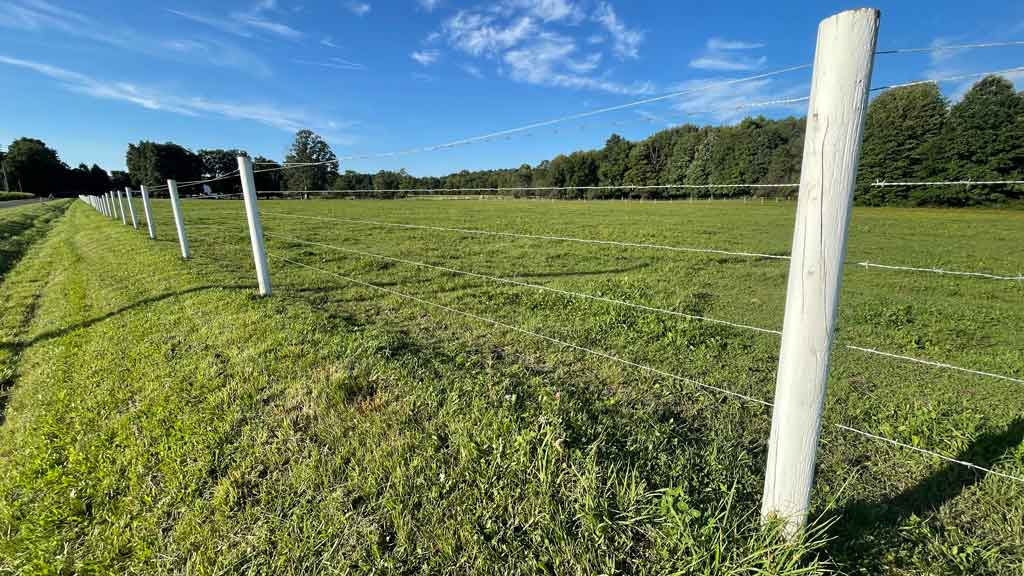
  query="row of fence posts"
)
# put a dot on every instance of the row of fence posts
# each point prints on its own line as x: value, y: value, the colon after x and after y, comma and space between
x: 843, y: 62
x: 113, y: 205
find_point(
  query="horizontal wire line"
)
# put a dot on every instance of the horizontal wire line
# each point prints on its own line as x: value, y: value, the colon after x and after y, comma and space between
x: 929, y: 452
x: 624, y: 244
x: 562, y: 119
x: 952, y: 47
x: 616, y: 187
x: 534, y: 334
x: 539, y: 188
x: 652, y: 309
x: 636, y: 365
x: 935, y: 364
x: 537, y: 237
x: 949, y: 183
x: 940, y: 271
x: 948, y: 78
x: 529, y: 285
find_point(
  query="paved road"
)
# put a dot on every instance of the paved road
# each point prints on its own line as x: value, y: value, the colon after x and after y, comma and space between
x: 13, y: 203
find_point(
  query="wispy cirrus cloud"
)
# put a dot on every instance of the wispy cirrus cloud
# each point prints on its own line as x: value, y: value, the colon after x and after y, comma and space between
x: 728, y: 55
x: 359, y: 8
x: 429, y: 5
x: 261, y: 17
x: 162, y: 100
x: 333, y: 62
x: 426, y: 57
x: 710, y: 99
x: 625, y: 41
x: 42, y: 17
x: 534, y: 42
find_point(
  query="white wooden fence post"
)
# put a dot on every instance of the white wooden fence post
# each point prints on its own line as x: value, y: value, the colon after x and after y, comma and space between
x: 106, y: 203
x: 131, y: 207
x: 120, y: 203
x: 252, y: 214
x: 111, y: 208
x: 835, y: 125
x: 179, y: 219
x: 150, y: 226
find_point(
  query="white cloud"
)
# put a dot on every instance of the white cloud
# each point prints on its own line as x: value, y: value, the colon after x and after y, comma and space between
x: 426, y: 57
x: 269, y: 115
x: 625, y: 41
x: 39, y: 16
x: 728, y: 55
x: 329, y: 42
x: 529, y: 41
x: 429, y: 5
x: 334, y: 63
x: 710, y: 99
x: 550, y: 61
x: 546, y: 10
x: 473, y: 71
x: 358, y: 8
x: 245, y: 23
x: 478, y: 34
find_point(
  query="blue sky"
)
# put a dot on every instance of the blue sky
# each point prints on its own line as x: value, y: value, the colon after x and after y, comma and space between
x: 90, y: 76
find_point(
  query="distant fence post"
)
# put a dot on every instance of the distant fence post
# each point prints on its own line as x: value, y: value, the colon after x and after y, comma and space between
x: 106, y: 203
x: 131, y: 207
x: 120, y: 202
x: 835, y: 124
x: 111, y: 208
x: 150, y: 226
x: 179, y: 220
x: 252, y: 214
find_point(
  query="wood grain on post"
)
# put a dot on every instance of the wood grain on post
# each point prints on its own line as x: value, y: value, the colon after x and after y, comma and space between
x: 835, y: 123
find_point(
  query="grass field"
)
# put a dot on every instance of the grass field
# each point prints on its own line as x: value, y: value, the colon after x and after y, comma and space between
x: 165, y: 419
x: 14, y: 196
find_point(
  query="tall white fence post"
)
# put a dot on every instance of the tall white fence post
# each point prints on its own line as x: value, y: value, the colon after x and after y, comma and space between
x: 111, y: 208
x: 120, y: 202
x: 179, y: 219
x: 835, y: 123
x: 252, y: 214
x: 106, y: 201
x: 131, y: 207
x: 150, y: 226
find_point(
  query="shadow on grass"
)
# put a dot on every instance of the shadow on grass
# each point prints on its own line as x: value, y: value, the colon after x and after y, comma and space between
x: 870, y: 529
x: 15, y: 348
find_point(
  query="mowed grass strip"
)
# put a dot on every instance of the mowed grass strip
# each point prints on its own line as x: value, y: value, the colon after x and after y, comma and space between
x: 167, y: 420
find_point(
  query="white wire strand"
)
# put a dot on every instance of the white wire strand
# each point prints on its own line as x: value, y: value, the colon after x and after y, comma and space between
x: 949, y: 78
x: 536, y: 237
x: 929, y: 453
x: 532, y: 188
x: 940, y: 271
x: 951, y: 183
x: 636, y: 365
x: 534, y: 334
x: 641, y: 306
x: 952, y: 47
x: 529, y: 285
x: 935, y: 364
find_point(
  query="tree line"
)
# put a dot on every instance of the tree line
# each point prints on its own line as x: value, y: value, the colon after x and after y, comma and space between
x: 911, y: 133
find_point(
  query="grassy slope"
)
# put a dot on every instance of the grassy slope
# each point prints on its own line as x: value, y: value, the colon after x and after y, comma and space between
x: 330, y: 428
x: 14, y: 195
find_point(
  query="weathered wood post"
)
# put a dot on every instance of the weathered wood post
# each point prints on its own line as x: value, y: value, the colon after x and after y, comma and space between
x: 252, y: 215
x: 150, y: 225
x: 131, y: 207
x: 835, y: 123
x: 179, y: 219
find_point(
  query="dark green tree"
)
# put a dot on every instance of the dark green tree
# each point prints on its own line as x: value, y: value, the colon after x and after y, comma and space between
x: 34, y: 167
x: 152, y: 164
x: 901, y: 126
x: 309, y: 148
